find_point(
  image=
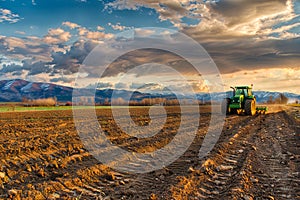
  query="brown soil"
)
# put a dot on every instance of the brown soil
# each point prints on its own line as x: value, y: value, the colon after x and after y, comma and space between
x: 256, y: 157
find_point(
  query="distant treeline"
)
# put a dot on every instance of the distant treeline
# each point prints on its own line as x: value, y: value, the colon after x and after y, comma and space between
x: 143, y: 102
x: 52, y: 101
x: 40, y: 102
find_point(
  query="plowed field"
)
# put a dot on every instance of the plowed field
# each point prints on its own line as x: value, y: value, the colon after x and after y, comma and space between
x: 256, y: 157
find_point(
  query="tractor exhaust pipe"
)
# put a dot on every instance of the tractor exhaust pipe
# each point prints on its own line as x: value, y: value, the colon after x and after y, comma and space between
x: 233, y: 90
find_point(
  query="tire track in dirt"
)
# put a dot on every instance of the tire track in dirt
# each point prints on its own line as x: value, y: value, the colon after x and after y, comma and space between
x: 277, y: 165
x: 215, y: 176
x: 159, y: 183
x: 261, y: 161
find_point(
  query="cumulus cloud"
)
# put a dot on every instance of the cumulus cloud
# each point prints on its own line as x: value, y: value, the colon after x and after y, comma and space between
x: 172, y: 10
x: 220, y: 19
x: 100, y: 28
x: 8, y: 16
x: 20, y: 32
x: 147, y: 56
x: 9, y: 68
x: 57, y: 36
x: 102, y: 85
x: 118, y: 26
x: 24, y: 48
x: 71, y: 25
x: 62, y: 80
x: 69, y: 62
x: 53, y: 53
x: 266, y: 79
x: 33, y: 56
x: 93, y: 35
x: 231, y: 19
x: 237, y: 34
x: 96, y: 35
x: 31, y: 67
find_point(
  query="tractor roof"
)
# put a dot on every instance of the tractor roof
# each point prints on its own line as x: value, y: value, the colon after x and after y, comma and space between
x: 242, y: 87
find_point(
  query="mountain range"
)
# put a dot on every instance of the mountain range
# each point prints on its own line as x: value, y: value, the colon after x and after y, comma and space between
x: 18, y: 89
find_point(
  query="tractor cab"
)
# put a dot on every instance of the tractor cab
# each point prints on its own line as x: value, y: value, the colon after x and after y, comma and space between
x: 246, y: 91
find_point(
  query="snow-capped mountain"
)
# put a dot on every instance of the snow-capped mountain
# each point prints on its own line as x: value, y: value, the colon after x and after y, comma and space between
x: 16, y: 90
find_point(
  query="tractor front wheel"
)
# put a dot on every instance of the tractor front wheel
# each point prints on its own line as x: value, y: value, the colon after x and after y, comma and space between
x: 250, y: 107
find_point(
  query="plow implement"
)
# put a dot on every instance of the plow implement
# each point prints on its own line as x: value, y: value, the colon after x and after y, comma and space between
x: 261, y: 110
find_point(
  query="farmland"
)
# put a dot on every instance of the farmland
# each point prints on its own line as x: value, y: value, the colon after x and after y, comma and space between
x: 256, y: 157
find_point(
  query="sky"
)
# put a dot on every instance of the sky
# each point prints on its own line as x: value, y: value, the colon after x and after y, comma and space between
x: 249, y: 42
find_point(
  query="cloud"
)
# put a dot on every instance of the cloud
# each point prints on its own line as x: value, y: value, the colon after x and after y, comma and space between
x: 121, y: 86
x: 57, y: 36
x: 84, y: 32
x: 71, y: 25
x: 69, y: 62
x: 96, y: 35
x: 144, y: 32
x: 29, y: 66
x: 62, y: 80
x: 135, y: 58
x: 8, y: 68
x: 24, y: 48
x: 13, y: 42
x: 52, y: 54
x: 34, y: 56
x: 266, y: 79
x: 231, y: 19
x: 226, y: 19
x: 7, y: 16
x: 239, y: 35
x: 147, y: 87
x: 243, y: 54
x: 93, y: 35
x: 118, y: 26
x: 172, y: 10
x: 36, y: 67
x: 104, y: 85
x: 20, y: 32
x: 100, y: 28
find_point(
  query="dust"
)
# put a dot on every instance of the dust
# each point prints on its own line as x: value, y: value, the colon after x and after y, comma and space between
x: 274, y: 108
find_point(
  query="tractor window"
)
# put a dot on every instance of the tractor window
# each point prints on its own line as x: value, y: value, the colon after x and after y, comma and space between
x: 239, y: 91
x: 246, y: 92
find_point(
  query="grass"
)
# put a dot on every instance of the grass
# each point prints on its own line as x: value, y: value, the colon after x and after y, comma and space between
x: 42, y: 108
x: 19, y: 108
x: 294, y: 105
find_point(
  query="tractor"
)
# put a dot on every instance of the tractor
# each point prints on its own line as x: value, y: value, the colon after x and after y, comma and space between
x: 242, y: 101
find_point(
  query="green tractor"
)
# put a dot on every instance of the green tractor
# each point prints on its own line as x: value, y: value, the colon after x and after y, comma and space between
x: 242, y: 101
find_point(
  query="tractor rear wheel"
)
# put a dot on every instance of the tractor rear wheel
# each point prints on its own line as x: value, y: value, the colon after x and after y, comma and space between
x: 250, y: 107
x: 225, y: 106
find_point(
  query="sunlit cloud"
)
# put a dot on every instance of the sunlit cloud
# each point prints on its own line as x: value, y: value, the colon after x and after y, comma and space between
x: 8, y: 16
x: 283, y: 80
x: 118, y: 26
